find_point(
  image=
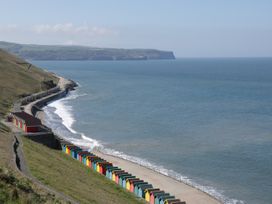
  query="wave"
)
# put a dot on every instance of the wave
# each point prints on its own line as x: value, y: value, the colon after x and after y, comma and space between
x: 65, y: 113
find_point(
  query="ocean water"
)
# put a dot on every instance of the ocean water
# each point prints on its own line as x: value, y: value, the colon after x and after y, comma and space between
x: 207, y: 122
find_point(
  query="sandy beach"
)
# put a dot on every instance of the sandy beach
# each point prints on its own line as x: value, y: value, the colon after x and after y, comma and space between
x: 181, y: 190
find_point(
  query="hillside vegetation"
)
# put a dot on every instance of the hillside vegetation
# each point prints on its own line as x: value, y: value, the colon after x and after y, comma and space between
x: 73, y: 178
x: 57, y: 52
x: 17, y: 80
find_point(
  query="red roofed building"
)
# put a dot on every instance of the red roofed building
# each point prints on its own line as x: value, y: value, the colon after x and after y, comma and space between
x: 26, y: 122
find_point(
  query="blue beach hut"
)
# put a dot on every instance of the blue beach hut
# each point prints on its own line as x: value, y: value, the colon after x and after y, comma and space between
x: 158, y: 196
x: 109, y: 171
x: 163, y: 198
x: 120, y: 182
x: 124, y: 180
x: 142, y: 189
x: 136, y: 186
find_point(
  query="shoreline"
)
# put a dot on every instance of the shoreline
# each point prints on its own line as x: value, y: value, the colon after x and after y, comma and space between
x: 179, y: 189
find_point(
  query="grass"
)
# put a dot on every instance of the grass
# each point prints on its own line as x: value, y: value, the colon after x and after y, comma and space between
x: 68, y: 175
x: 17, y: 80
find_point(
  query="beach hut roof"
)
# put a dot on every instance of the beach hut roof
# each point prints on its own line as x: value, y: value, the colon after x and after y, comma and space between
x: 166, y: 196
x: 172, y: 200
x: 151, y: 189
x: 29, y: 119
x: 155, y: 193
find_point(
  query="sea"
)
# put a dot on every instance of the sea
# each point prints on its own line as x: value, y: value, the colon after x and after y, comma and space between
x: 206, y: 122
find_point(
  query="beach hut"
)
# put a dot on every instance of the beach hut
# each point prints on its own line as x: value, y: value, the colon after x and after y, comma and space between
x: 86, y: 157
x: 148, y: 191
x: 114, y: 174
x: 109, y: 171
x: 163, y: 198
x: 124, y: 180
x: 103, y: 167
x: 79, y: 155
x: 153, y: 194
x: 158, y: 196
x: 95, y: 161
x: 142, y: 188
x: 136, y: 186
x: 128, y: 180
x: 171, y: 201
x: 63, y: 144
x: 120, y: 176
x: 117, y: 175
x: 73, y: 150
x: 132, y: 182
x: 26, y: 122
x: 90, y: 159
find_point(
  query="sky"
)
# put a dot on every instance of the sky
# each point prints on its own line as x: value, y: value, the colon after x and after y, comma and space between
x: 190, y: 28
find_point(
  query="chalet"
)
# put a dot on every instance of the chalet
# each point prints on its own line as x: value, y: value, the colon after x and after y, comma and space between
x: 26, y: 122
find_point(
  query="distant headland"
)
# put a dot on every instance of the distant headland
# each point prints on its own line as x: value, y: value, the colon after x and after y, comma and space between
x: 63, y: 52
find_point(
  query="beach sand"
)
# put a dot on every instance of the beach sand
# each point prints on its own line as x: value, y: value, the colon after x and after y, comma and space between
x: 180, y: 190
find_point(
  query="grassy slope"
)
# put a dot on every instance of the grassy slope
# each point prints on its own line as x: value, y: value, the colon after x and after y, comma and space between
x: 73, y: 178
x: 17, y: 80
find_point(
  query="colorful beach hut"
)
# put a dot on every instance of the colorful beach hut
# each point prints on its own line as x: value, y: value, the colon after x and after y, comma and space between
x: 163, y: 198
x: 132, y: 183
x: 158, y: 196
x: 109, y: 171
x: 148, y: 191
x: 153, y: 195
x: 141, y: 190
x: 128, y: 180
x: 136, y: 186
x: 171, y: 200
x: 115, y: 177
x: 103, y: 167
x: 120, y: 176
x: 124, y: 180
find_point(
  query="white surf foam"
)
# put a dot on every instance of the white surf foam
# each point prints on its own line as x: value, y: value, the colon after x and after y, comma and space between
x: 170, y: 173
x: 64, y: 111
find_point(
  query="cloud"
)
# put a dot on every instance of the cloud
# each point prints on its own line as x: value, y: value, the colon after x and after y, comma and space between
x: 8, y: 28
x: 71, y: 29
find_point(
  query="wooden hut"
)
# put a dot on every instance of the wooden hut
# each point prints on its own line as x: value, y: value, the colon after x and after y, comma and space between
x: 131, y: 183
x: 148, y: 191
x: 128, y: 180
x: 103, y: 167
x: 158, y: 196
x: 109, y: 171
x: 124, y: 180
x: 114, y: 174
x: 120, y: 176
x: 136, y: 186
x: 26, y: 122
x: 171, y: 200
x: 142, y: 188
x: 80, y: 154
x: 117, y: 175
x: 90, y: 159
x: 153, y: 195
x: 163, y: 198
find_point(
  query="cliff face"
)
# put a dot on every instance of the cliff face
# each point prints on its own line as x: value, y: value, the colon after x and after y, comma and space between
x: 56, y: 52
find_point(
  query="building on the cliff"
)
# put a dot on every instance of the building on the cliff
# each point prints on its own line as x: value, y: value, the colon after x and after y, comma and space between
x: 26, y: 122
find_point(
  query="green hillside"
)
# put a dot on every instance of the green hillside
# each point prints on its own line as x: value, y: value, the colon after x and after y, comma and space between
x: 17, y: 79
